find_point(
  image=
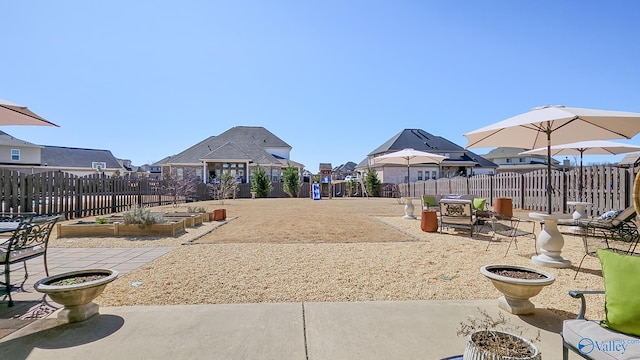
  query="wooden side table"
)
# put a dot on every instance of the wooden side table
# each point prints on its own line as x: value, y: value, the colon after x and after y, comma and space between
x: 429, y: 221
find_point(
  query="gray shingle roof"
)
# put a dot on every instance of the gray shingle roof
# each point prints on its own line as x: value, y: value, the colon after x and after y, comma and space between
x: 8, y: 140
x: 419, y: 139
x: 76, y: 157
x: 257, y: 134
x: 242, y: 143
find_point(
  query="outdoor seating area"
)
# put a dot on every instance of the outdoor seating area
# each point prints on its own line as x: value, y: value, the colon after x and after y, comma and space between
x: 397, y: 258
x: 619, y: 233
x: 29, y: 239
x: 622, y: 310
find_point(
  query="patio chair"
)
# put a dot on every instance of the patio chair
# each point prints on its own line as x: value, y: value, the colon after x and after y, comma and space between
x: 622, y: 310
x: 456, y: 213
x: 511, y: 227
x: 430, y: 202
x: 618, y: 234
x: 16, y: 217
x: 28, y: 241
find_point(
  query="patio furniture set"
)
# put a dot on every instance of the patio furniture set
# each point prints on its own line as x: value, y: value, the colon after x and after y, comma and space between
x: 473, y: 214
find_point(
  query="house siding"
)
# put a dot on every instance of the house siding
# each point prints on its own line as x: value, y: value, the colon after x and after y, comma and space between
x: 28, y: 155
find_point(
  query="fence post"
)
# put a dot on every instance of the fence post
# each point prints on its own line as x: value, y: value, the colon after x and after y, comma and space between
x: 78, y: 191
x: 521, y: 191
x: 564, y: 192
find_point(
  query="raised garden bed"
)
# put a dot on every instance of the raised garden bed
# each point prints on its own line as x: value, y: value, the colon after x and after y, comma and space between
x: 190, y: 219
x: 172, y: 228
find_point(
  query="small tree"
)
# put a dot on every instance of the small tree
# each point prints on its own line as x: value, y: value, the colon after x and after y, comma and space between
x: 226, y: 189
x: 180, y: 190
x: 291, y: 180
x: 260, y: 183
x: 351, y: 187
x: 372, y: 183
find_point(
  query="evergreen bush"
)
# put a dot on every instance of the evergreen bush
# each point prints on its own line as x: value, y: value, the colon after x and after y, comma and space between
x: 260, y: 183
x: 291, y: 184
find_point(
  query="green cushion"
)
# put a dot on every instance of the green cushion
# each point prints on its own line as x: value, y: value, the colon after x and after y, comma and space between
x: 478, y: 203
x: 621, y: 284
x: 429, y: 200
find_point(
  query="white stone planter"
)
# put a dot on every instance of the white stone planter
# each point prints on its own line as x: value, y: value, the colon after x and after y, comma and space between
x: 76, y: 298
x: 473, y: 352
x: 517, y: 291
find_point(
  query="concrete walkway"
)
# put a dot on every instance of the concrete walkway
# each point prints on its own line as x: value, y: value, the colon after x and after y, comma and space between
x: 317, y: 331
x: 29, y: 305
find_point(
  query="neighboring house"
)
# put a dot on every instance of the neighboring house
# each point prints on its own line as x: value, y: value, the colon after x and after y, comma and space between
x: 136, y: 171
x: 237, y: 151
x: 26, y: 157
x: 460, y: 161
x: 341, y: 171
x: 630, y: 160
x: 509, y: 159
x: 15, y: 152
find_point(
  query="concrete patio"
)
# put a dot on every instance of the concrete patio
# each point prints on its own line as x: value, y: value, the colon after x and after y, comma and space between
x: 344, y: 330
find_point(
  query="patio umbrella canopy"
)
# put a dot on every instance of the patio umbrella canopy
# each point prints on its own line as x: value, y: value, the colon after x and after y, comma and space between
x: 555, y: 125
x: 595, y: 147
x: 13, y: 114
x: 409, y: 157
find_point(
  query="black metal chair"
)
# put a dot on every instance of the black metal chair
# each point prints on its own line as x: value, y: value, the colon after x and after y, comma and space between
x: 510, y: 227
x: 17, y: 217
x: 28, y: 241
x: 619, y: 234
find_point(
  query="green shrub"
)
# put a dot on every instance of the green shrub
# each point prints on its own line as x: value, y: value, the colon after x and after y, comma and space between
x: 260, y: 183
x: 196, y: 209
x: 142, y: 216
x: 291, y: 184
x: 372, y: 183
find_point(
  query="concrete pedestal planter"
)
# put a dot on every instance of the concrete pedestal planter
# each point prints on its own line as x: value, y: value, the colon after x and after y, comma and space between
x: 522, y: 284
x: 473, y: 351
x: 76, y: 296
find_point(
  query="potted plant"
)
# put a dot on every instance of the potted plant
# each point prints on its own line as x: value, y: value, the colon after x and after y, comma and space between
x: 75, y: 290
x: 517, y: 284
x: 496, y: 339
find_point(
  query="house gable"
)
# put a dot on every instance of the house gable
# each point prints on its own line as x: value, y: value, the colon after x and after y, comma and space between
x: 28, y: 154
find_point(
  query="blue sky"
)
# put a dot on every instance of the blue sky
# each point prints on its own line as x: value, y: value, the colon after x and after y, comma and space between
x: 333, y: 79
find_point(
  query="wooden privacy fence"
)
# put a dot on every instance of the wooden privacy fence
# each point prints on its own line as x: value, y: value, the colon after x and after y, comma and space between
x: 606, y: 188
x: 59, y: 193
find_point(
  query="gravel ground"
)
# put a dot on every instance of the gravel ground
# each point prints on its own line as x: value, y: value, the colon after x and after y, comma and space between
x: 345, y: 249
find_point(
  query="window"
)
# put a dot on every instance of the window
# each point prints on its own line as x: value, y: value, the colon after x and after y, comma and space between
x: 180, y: 173
x: 521, y: 160
x: 275, y: 175
x: 434, y: 175
x: 15, y: 154
x: 419, y: 175
x: 509, y: 161
x: 199, y: 174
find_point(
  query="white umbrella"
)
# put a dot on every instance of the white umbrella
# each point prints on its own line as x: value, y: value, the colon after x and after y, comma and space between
x: 409, y: 157
x: 567, y: 125
x: 594, y: 147
x: 14, y: 114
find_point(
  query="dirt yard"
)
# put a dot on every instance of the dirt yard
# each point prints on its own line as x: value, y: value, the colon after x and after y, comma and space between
x: 343, y: 249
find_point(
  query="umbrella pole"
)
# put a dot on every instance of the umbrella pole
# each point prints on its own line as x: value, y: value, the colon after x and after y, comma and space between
x: 580, y: 180
x: 408, y: 173
x: 549, y: 172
